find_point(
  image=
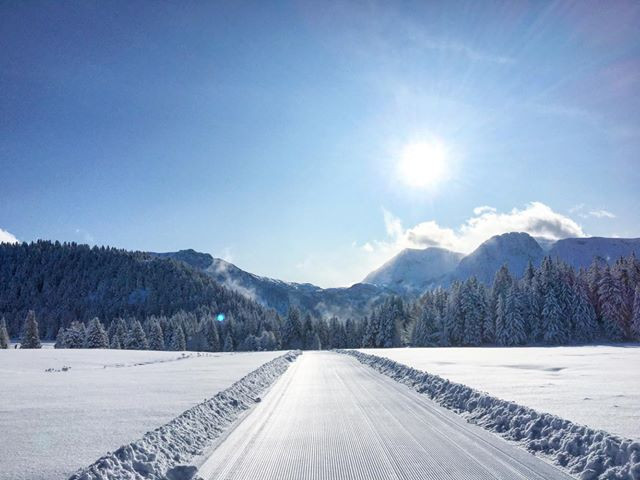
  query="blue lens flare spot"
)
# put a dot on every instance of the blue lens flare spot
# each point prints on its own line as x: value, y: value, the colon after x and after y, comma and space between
x: 220, y: 317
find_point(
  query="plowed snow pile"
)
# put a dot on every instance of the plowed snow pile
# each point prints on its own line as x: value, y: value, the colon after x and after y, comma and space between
x: 590, y: 454
x: 54, y: 422
x: 165, y: 452
x: 597, y: 385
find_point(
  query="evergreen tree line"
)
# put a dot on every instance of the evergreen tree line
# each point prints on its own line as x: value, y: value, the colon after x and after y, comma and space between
x: 67, y: 283
x: 552, y: 304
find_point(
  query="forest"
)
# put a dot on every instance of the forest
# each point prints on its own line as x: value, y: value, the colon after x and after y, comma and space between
x: 108, y: 298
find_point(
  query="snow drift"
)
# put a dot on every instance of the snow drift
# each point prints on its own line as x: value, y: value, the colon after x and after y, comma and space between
x: 590, y: 454
x: 164, y: 453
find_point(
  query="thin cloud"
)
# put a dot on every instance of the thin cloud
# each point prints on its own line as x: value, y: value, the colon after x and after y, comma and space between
x: 6, y: 237
x: 601, y: 213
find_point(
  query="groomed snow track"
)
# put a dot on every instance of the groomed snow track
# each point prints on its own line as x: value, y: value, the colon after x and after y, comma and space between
x: 329, y: 417
x: 589, y: 454
x: 166, y: 452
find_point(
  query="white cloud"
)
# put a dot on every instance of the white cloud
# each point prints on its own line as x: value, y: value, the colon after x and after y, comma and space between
x: 536, y: 218
x: 483, y: 209
x: 597, y: 213
x: 601, y: 213
x: 6, y: 237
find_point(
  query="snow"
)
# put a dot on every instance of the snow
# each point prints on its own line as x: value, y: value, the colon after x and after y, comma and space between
x: 168, y: 451
x: 52, y: 423
x: 413, y: 269
x: 591, y: 454
x: 329, y: 417
x: 597, y: 386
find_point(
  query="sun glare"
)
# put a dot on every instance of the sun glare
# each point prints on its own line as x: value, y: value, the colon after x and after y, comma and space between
x: 423, y: 164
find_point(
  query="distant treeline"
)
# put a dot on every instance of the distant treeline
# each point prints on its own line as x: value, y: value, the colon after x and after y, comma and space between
x: 65, y: 283
x: 138, y: 302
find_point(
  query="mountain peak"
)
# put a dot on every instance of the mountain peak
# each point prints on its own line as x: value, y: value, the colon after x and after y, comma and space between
x: 515, y: 249
x: 414, y: 269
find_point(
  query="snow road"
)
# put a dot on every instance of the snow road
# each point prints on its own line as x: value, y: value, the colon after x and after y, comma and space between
x: 330, y: 417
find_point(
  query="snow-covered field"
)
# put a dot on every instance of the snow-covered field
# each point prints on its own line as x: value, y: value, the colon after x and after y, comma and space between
x: 597, y: 386
x: 54, y: 422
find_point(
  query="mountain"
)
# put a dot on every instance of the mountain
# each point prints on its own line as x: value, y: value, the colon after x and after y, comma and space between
x: 66, y: 282
x: 514, y: 249
x: 414, y: 269
x: 579, y: 252
x: 410, y: 272
x: 355, y: 301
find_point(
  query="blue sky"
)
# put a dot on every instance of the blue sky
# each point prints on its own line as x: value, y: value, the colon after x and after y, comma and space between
x: 271, y: 134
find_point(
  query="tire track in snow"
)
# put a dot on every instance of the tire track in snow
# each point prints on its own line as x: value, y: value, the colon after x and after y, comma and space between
x: 330, y: 417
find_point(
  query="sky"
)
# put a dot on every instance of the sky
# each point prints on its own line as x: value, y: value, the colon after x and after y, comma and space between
x: 311, y: 141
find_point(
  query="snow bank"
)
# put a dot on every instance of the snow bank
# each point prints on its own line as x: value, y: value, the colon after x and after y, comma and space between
x: 589, y: 454
x: 164, y: 452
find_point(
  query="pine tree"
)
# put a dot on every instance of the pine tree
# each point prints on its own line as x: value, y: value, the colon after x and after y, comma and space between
x: 31, y: 338
x: 554, y: 326
x: 115, y: 343
x: 454, y: 317
x: 584, y: 323
x: 178, y: 342
x: 156, y: 337
x: 610, y: 298
x: 96, y: 335
x: 73, y: 337
x: 473, y: 310
x: 213, y: 339
x: 228, y: 343
x: 137, y: 340
x: 120, y: 332
x: 501, y: 313
x: 4, y: 335
x: 635, y: 320
x: 60, y: 341
x: 292, y: 331
x: 513, y: 331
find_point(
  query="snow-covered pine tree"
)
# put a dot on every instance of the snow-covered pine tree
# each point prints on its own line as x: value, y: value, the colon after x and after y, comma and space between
x: 555, y: 331
x: 136, y: 339
x: 425, y: 333
x: 610, y: 302
x: 213, y: 339
x: 501, y: 334
x: 96, y: 336
x: 513, y: 331
x: 4, y: 335
x: 60, y: 341
x: 473, y: 311
x: 178, y: 341
x: 635, y: 320
x: 228, y: 343
x: 454, y: 319
x: 73, y: 337
x: 583, y: 317
x: 291, y: 330
x: 31, y: 337
x: 501, y: 283
x: 156, y: 336
x: 115, y: 343
x: 120, y: 332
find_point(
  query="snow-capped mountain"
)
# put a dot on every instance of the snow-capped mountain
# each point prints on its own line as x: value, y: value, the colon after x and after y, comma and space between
x: 580, y: 252
x: 513, y: 249
x: 412, y: 271
x: 354, y: 301
x: 415, y: 269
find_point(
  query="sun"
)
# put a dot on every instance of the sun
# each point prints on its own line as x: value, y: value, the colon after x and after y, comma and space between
x: 423, y: 164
